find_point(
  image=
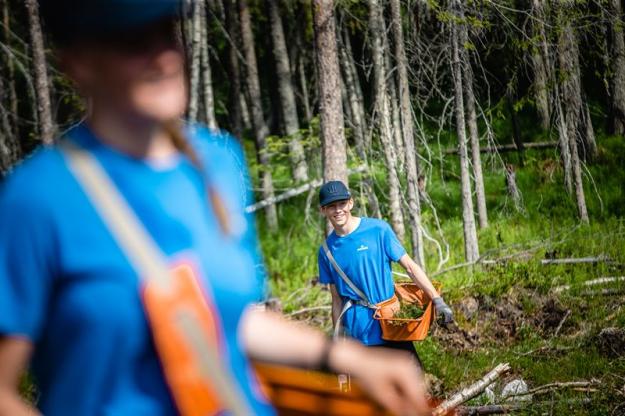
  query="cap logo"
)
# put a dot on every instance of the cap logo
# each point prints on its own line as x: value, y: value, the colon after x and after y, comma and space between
x: 332, y: 189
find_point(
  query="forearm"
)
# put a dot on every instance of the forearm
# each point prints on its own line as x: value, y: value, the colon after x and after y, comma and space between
x: 268, y: 337
x: 418, y: 276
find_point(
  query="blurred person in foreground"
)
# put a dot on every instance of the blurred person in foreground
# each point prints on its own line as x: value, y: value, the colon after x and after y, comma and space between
x: 72, y: 306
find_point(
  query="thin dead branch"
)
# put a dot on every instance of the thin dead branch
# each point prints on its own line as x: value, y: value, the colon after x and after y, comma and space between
x: 471, y: 391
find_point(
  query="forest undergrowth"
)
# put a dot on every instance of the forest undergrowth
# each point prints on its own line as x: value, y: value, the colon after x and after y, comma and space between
x: 513, y: 306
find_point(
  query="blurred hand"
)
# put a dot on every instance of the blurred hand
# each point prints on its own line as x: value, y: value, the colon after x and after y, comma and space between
x: 390, y: 377
x: 444, y: 314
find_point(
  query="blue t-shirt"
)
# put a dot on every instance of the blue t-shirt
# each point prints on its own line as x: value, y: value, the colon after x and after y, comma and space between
x: 67, y: 287
x: 365, y: 256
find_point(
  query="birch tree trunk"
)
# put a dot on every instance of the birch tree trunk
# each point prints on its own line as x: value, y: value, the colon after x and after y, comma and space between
x: 469, y: 96
x: 255, y: 105
x: 383, y: 110
x: 287, y: 95
x: 618, y: 67
x: 391, y: 88
x: 42, y: 86
x: 471, y: 248
x: 412, y: 167
x: 330, y: 105
x: 208, y: 96
x: 571, y: 97
x: 194, y: 54
x: 540, y: 61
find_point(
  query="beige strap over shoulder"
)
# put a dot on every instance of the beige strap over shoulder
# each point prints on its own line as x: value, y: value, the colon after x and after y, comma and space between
x: 151, y: 265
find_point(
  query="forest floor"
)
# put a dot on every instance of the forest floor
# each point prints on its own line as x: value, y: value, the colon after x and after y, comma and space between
x: 541, y: 318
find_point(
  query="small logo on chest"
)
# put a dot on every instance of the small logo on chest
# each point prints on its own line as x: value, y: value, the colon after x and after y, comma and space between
x: 362, y: 248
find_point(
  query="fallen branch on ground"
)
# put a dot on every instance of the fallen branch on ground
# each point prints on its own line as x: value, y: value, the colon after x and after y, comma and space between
x: 579, y: 260
x: 491, y: 409
x: 310, y: 309
x: 471, y: 391
x: 546, y: 388
x: 295, y: 191
x: 593, y: 282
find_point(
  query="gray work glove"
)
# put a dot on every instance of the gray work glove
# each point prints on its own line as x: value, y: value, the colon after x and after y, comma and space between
x: 444, y: 314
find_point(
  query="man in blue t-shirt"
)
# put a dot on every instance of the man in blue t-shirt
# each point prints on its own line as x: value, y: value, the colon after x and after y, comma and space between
x: 364, y: 248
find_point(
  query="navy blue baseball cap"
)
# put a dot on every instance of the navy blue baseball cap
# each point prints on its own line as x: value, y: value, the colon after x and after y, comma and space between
x: 68, y: 21
x: 333, y: 191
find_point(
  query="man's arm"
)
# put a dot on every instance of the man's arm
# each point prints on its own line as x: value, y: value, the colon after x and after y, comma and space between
x: 337, y: 304
x: 443, y: 311
x: 418, y: 276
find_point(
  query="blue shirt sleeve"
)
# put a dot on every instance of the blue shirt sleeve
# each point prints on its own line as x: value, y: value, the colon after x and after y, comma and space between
x: 392, y: 247
x: 26, y: 260
x: 325, y: 274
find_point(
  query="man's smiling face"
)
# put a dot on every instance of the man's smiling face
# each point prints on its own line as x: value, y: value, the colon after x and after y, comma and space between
x: 339, y: 212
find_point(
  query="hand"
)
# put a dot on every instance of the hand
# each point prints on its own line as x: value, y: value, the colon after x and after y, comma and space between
x: 389, y: 377
x: 444, y: 314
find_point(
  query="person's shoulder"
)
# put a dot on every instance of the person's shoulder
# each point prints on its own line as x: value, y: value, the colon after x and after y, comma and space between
x: 35, y: 181
x: 374, y: 223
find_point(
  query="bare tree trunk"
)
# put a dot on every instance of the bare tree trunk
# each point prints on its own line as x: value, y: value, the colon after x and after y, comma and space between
x: 194, y: 54
x: 471, y: 248
x: 330, y: 106
x: 469, y: 96
x: 9, y: 147
x: 287, y: 94
x: 540, y: 64
x: 618, y: 67
x: 208, y: 97
x: 255, y: 105
x: 357, y: 120
x: 412, y: 167
x: 572, y: 87
x: 12, y: 94
x: 44, y: 111
x: 571, y: 96
x: 391, y: 88
x: 384, y: 116
x: 235, y: 100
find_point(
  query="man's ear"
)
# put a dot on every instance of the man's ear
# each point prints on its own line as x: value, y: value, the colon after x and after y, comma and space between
x: 351, y: 203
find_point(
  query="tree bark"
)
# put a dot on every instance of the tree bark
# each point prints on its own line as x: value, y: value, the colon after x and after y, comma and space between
x: 391, y: 88
x: 571, y: 96
x: 287, y: 95
x: 540, y: 61
x: 571, y: 84
x: 618, y: 67
x: 235, y: 100
x: 194, y: 54
x: 471, y: 248
x: 208, y: 96
x: 412, y: 167
x: 330, y: 105
x: 383, y: 110
x: 255, y: 105
x: 42, y: 85
x: 10, y: 79
x: 474, y: 134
